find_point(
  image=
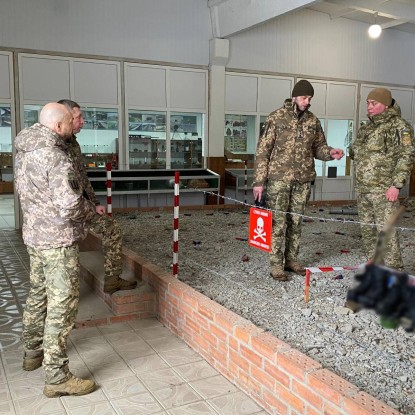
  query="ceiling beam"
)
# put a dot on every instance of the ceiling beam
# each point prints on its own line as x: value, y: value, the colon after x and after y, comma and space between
x: 233, y: 16
x: 393, y: 23
x: 391, y: 9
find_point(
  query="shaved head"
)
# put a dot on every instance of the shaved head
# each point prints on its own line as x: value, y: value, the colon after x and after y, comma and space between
x: 58, y: 118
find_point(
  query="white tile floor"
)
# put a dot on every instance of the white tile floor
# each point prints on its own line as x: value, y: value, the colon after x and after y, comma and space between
x: 140, y: 366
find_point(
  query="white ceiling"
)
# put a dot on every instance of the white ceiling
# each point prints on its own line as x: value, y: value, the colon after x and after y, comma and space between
x: 233, y: 16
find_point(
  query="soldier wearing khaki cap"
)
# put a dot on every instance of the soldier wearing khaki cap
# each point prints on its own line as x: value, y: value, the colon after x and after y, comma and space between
x: 383, y: 153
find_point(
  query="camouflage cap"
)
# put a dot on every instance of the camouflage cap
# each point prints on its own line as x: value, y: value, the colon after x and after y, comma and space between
x: 381, y: 95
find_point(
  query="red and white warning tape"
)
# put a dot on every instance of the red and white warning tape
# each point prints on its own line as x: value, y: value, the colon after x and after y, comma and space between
x: 176, y: 224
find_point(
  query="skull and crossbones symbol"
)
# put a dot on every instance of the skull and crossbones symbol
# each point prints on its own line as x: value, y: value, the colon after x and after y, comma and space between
x: 259, y: 230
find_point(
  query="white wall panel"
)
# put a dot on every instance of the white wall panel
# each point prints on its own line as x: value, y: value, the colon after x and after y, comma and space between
x: 5, y: 77
x: 44, y: 79
x: 318, y: 103
x: 158, y: 30
x: 241, y: 93
x: 145, y: 86
x: 273, y: 92
x: 404, y: 98
x: 341, y: 100
x: 312, y: 44
x: 96, y: 82
x: 188, y: 89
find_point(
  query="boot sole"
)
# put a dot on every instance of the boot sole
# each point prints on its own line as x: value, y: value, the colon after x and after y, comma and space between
x: 57, y: 394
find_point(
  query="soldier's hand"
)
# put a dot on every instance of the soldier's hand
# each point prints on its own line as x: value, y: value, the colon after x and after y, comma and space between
x: 336, y: 153
x: 257, y: 190
x: 100, y: 210
x: 392, y: 194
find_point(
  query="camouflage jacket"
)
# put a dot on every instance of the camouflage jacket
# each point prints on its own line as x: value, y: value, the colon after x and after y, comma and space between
x: 55, y: 213
x: 288, y: 146
x: 383, y: 152
x: 74, y: 152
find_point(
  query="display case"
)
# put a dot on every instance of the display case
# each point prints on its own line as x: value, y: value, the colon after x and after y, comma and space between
x: 152, y: 188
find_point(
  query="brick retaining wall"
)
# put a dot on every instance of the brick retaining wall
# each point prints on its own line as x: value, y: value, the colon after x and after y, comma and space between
x: 280, y: 378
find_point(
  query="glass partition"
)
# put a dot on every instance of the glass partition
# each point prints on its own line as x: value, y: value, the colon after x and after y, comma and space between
x: 147, y: 139
x: 240, y: 138
x: 339, y: 135
x: 98, y: 138
x: 6, y: 158
x: 186, y: 140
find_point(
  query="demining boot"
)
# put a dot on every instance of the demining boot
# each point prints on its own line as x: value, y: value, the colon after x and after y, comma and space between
x: 278, y: 274
x: 294, y: 267
x: 32, y: 362
x: 117, y: 283
x: 72, y: 386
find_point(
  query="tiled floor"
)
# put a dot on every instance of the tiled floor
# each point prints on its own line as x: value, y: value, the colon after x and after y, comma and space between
x: 6, y: 211
x: 140, y: 366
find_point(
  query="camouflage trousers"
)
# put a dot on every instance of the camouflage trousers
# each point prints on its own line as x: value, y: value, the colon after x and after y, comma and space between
x: 51, y: 308
x: 286, y: 228
x: 111, y: 244
x: 375, y: 208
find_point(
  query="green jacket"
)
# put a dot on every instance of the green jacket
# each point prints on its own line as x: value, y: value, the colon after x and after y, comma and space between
x: 287, y: 148
x: 383, y: 152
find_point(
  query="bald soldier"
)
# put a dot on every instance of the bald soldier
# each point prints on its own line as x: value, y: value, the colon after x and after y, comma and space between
x: 383, y: 153
x: 55, y: 217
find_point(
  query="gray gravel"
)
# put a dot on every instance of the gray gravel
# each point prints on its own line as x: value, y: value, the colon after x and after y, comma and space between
x: 229, y: 271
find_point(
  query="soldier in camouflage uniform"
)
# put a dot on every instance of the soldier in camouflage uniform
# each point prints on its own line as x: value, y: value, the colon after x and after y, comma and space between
x: 383, y: 153
x: 55, y: 218
x: 102, y: 223
x: 284, y: 163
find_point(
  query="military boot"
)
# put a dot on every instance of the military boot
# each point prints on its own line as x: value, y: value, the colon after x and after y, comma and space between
x: 278, y: 273
x: 72, y: 386
x: 116, y: 283
x: 33, y: 362
x: 294, y: 267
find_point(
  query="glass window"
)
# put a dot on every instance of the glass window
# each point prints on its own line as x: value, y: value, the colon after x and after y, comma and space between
x: 339, y: 135
x: 6, y: 159
x: 99, y: 137
x: 319, y: 163
x: 186, y: 132
x: 147, y: 139
x: 240, y: 137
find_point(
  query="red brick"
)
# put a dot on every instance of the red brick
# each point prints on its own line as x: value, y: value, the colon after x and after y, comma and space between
x: 263, y: 378
x: 296, y: 364
x: 274, y: 404
x: 281, y: 377
x: 268, y: 345
x: 220, y: 355
x: 245, y: 332
x: 292, y: 400
x: 307, y: 394
x: 239, y: 360
x: 227, y: 320
x: 217, y: 332
x: 330, y: 409
x: 253, y: 357
x: 209, y: 308
x: 210, y: 338
x: 233, y: 344
x: 364, y: 404
x: 330, y: 386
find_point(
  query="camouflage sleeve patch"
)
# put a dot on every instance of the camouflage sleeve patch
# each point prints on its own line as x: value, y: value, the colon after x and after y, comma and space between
x: 406, y: 138
x: 73, y: 182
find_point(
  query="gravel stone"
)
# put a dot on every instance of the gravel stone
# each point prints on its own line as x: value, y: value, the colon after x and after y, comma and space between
x: 379, y: 361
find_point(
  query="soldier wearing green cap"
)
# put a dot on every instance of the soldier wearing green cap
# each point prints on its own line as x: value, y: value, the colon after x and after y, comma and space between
x: 292, y: 138
x: 383, y: 153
